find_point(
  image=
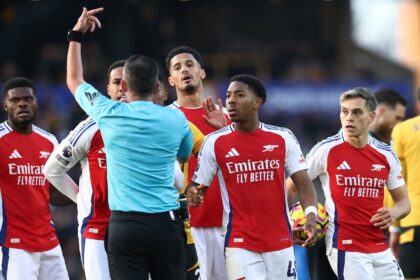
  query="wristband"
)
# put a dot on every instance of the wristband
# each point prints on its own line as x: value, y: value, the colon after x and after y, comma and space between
x: 394, y: 229
x: 75, y: 36
x: 311, y: 209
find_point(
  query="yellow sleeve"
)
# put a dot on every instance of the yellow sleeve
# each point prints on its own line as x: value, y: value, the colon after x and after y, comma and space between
x: 398, y: 146
x: 198, y: 139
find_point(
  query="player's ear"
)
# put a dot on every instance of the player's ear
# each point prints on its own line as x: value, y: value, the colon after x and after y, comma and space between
x: 124, y: 86
x: 171, y: 81
x: 372, y: 116
x: 258, y: 102
x: 202, y: 74
x: 4, y: 105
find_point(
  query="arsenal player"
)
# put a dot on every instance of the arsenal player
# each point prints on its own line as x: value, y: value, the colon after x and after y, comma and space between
x: 252, y: 160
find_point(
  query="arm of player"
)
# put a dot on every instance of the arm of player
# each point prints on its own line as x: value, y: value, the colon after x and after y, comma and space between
x: 87, y: 21
x: 307, y: 197
x: 214, y: 116
x: 198, y: 138
x: 195, y: 194
x: 186, y: 145
x: 178, y: 177
x: 385, y: 216
x: 291, y: 192
x: 57, y: 176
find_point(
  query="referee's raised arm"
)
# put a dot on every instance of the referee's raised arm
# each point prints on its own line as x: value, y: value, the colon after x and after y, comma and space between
x: 87, y: 21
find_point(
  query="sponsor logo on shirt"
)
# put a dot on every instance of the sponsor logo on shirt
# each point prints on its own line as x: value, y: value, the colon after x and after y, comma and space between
x: 27, y: 174
x: 344, y: 166
x: 377, y: 167
x: 44, y: 154
x: 359, y: 186
x: 269, y: 148
x: 238, y: 240
x: 15, y: 154
x: 232, y: 153
x: 92, y: 96
x: 347, y: 242
x: 14, y: 240
x: 253, y: 171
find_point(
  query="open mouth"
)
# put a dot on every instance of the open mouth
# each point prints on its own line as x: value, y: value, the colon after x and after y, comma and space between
x: 186, y: 78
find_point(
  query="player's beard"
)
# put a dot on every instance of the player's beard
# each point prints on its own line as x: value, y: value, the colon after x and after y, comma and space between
x: 24, y: 122
x: 190, y: 89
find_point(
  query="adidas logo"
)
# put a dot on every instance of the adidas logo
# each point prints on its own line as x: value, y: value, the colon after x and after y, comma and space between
x: 232, y: 153
x: 344, y: 166
x: 15, y: 154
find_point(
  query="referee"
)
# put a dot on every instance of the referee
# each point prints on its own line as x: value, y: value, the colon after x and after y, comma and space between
x: 142, y: 141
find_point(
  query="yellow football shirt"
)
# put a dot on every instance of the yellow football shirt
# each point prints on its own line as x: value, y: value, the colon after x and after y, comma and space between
x: 406, y: 143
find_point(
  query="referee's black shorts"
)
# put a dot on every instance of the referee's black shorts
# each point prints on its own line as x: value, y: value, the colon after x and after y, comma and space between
x: 409, y: 251
x: 142, y: 243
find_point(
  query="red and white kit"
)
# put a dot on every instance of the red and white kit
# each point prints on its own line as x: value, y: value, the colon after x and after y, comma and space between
x: 252, y: 168
x: 25, y: 220
x: 84, y: 144
x: 353, y: 180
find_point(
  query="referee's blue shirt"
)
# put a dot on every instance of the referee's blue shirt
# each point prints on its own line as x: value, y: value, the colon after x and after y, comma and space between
x: 142, y: 141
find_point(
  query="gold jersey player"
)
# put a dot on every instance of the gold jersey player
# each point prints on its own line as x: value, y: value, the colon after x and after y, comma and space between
x: 406, y: 143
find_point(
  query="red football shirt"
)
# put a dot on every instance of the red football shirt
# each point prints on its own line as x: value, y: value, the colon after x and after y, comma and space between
x: 353, y: 181
x: 252, y: 168
x: 85, y: 145
x: 25, y: 212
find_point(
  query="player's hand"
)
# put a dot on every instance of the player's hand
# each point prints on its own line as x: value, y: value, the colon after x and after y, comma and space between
x: 384, y: 217
x: 310, y: 230
x: 296, y: 239
x: 214, y: 116
x: 195, y: 195
x: 88, y: 20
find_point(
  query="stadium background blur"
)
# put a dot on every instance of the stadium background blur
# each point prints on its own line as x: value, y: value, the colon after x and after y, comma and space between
x: 306, y: 51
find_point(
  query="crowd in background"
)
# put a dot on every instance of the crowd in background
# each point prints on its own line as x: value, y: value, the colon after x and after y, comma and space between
x: 307, y: 56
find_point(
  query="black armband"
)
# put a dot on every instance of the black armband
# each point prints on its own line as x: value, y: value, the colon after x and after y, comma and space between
x: 75, y: 36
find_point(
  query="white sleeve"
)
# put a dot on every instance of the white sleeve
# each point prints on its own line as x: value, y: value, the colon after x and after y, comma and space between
x: 316, y: 164
x: 207, y: 165
x: 395, y: 178
x: 69, y: 152
x: 178, y: 177
x: 295, y: 161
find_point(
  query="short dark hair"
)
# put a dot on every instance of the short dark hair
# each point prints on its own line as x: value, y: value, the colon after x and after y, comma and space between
x: 389, y: 97
x: 115, y: 64
x: 253, y: 83
x: 16, y: 83
x: 360, y: 92
x: 141, y: 74
x: 160, y: 78
x: 183, y: 49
